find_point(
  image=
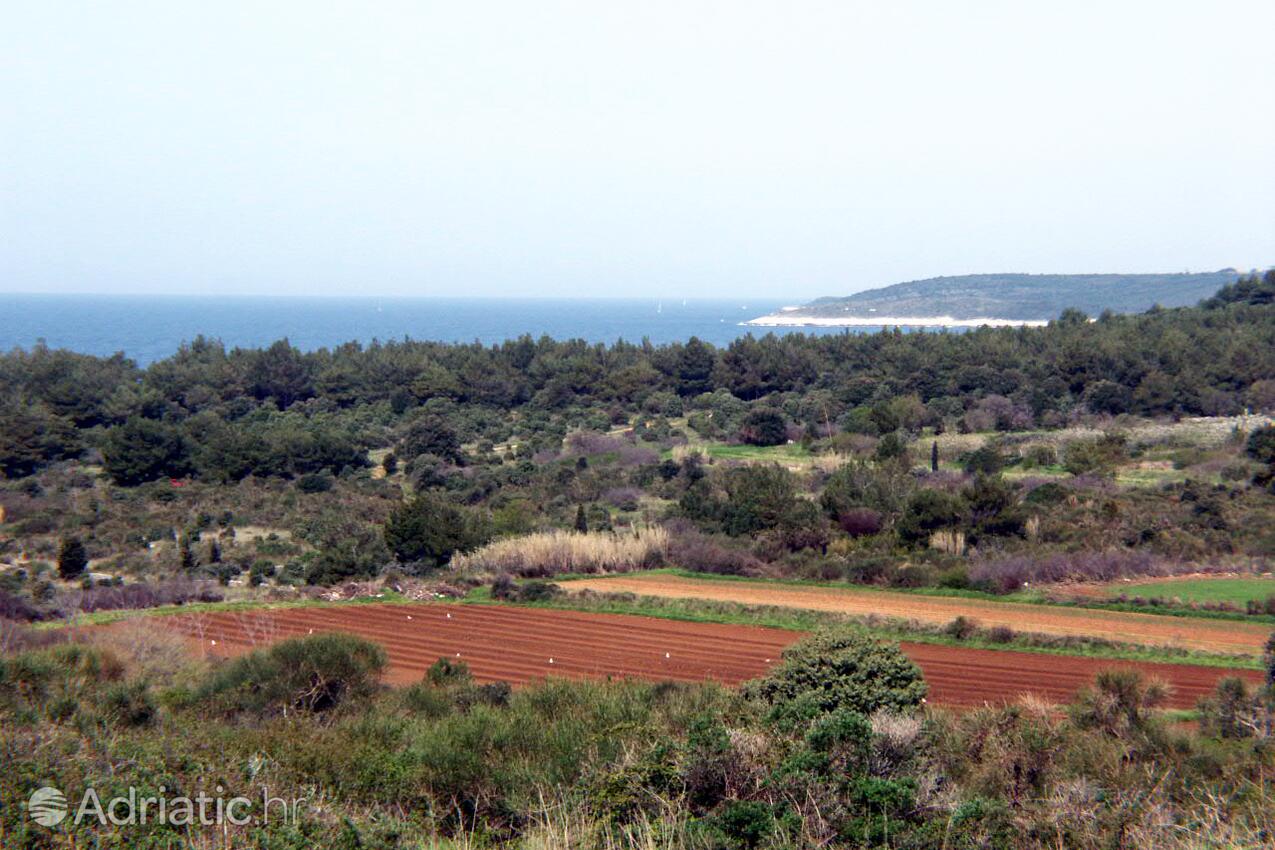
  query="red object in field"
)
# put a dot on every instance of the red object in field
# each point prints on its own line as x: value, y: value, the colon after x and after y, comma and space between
x: 177, y: 482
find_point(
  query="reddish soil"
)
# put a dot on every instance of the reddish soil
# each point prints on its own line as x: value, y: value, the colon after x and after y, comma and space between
x: 520, y: 645
x: 1211, y: 635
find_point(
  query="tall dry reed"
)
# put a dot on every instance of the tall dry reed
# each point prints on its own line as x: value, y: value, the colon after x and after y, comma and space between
x: 557, y: 552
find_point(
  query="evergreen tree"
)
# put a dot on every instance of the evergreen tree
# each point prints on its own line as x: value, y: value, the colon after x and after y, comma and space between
x: 142, y: 450
x: 72, y: 558
x: 189, y: 560
x: 432, y: 435
x: 934, y: 456
x: 582, y: 522
x: 429, y: 531
x: 764, y: 427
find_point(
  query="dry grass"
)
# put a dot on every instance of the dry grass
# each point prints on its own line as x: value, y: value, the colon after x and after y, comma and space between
x: 681, y: 453
x: 556, y: 552
x: 830, y: 462
x: 951, y: 542
x: 156, y: 653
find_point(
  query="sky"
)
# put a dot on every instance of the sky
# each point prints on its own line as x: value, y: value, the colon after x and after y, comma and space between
x: 687, y: 149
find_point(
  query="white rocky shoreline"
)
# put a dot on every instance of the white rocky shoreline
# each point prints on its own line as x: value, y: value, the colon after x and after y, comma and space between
x: 787, y: 319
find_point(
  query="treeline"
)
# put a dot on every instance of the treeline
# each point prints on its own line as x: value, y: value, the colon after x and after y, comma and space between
x: 279, y: 411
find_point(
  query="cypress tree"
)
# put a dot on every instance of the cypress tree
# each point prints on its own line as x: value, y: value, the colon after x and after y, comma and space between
x: 582, y: 523
x: 72, y: 558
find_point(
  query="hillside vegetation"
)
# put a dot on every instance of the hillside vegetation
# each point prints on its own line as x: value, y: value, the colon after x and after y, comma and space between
x: 1024, y: 296
x: 990, y: 460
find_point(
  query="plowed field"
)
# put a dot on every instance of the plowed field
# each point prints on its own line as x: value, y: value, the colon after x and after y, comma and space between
x: 1148, y: 629
x: 520, y: 645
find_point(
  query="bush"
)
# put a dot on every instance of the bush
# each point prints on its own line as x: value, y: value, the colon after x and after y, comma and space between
x: 986, y: 460
x: 835, y: 670
x: 1005, y: 575
x: 961, y: 628
x: 314, y: 673
x: 1120, y: 703
x: 692, y: 550
x: 129, y: 703
x: 430, y: 531
x: 444, y: 672
x: 72, y: 558
x: 139, y: 595
x: 1049, y: 493
x: 764, y: 427
x: 1261, y: 448
x: 506, y: 589
x: 929, y: 511
x: 1098, y: 456
x: 861, y: 522
x: 17, y: 608
x: 315, y: 482
x: 861, y: 485
x: 1233, y: 710
x: 1000, y: 634
x: 746, y: 823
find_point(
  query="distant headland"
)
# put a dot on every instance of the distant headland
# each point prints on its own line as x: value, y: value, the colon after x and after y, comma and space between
x: 1000, y: 300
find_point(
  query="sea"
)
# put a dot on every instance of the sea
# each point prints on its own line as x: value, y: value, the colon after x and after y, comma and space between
x: 148, y: 328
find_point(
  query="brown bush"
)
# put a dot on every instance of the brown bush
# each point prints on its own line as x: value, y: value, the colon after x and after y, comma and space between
x: 860, y: 522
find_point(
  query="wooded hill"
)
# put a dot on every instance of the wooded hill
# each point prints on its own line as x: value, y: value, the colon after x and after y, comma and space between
x: 1024, y: 296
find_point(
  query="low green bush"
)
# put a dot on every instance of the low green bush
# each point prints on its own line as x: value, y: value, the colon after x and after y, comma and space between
x: 312, y: 674
x: 838, y: 669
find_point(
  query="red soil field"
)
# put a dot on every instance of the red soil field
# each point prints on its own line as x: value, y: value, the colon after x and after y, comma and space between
x: 519, y: 645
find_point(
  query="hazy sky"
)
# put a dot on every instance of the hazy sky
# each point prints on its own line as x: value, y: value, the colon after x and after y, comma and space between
x: 684, y: 148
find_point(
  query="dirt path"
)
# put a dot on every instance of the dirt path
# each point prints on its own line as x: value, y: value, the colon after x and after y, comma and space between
x: 520, y: 645
x: 1149, y: 629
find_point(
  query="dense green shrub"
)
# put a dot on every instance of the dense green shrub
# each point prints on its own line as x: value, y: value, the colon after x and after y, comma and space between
x: 431, y: 435
x: 72, y: 558
x: 881, y: 487
x: 1100, y: 455
x: 31, y: 437
x: 986, y: 460
x: 312, y: 674
x: 928, y: 511
x: 428, y: 531
x: 835, y: 670
x: 142, y: 450
x: 764, y: 427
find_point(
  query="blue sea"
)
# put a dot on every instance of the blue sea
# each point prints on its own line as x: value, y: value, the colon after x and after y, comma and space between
x: 148, y: 328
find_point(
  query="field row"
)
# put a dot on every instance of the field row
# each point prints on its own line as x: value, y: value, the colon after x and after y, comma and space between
x: 1198, y: 633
